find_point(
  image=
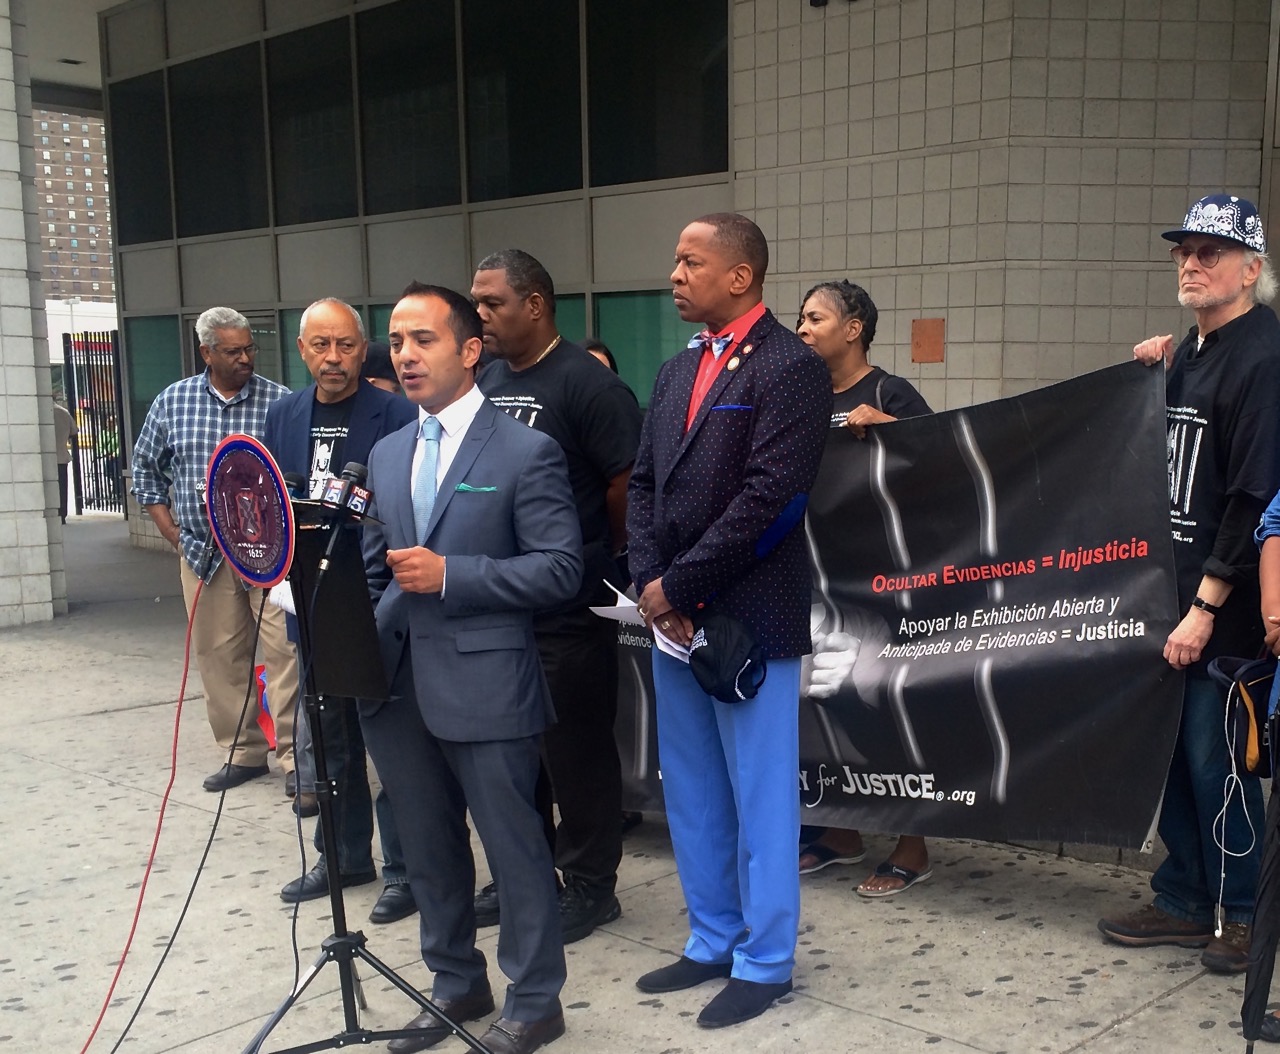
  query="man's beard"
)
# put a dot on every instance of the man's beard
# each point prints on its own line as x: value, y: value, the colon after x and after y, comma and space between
x: 1202, y: 301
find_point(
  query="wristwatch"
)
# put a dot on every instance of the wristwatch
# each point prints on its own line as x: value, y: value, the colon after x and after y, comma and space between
x: 1204, y: 605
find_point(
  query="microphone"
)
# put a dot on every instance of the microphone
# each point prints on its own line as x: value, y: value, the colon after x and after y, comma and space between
x: 295, y: 483
x: 337, y: 488
x: 357, y: 503
x: 337, y: 492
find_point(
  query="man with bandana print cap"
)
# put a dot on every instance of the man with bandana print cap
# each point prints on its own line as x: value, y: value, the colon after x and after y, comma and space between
x: 1223, y: 399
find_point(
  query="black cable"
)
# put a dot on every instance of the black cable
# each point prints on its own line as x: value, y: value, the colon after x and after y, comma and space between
x: 213, y: 831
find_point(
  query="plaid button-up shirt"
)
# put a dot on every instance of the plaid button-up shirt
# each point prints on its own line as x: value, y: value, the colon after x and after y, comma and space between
x: 184, y: 425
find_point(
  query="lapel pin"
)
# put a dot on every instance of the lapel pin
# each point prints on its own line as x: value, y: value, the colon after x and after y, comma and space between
x: 733, y: 363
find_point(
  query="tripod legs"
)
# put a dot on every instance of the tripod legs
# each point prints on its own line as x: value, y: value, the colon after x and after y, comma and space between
x: 342, y: 946
x: 361, y: 1001
x: 344, y: 950
x: 307, y: 977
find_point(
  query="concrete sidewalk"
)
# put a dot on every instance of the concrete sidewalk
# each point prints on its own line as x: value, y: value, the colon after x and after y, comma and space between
x: 998, y: 952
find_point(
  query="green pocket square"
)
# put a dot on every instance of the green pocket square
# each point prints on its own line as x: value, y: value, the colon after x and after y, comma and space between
x: 466, y: 488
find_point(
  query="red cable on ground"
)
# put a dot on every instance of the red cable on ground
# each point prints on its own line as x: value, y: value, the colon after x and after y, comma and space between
x: 155, y: 842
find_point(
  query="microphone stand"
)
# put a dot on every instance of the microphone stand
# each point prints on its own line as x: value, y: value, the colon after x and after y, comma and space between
x: 342, y: 947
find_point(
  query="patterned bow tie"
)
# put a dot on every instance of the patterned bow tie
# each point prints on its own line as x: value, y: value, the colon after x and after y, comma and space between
x: 704, y: 340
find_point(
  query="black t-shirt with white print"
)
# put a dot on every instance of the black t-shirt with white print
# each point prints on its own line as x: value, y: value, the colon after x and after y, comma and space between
x: 1223, y: 409
x: 891, y: 395
x: 330, y: 423
x: 586, y: 408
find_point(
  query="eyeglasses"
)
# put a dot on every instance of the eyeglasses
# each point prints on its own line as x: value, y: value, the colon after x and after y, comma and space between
x: 1206, y: 255
x: 234, y: 353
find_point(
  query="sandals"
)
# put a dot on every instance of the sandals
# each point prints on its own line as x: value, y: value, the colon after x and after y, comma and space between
x: 826, y: 856
x: 887, y: 869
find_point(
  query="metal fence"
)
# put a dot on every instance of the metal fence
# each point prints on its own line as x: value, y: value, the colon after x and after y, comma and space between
x: 95, y: 397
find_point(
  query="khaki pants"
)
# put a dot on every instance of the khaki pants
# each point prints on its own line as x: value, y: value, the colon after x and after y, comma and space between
x: 223, y: 642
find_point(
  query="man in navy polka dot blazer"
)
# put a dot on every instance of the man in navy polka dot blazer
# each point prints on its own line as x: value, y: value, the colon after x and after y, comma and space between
x: 729, y: 450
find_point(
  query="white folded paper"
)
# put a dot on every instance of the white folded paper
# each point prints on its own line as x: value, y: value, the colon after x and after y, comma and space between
x: 625, y: 610
x: 669, y: 647
x: 281, y: 595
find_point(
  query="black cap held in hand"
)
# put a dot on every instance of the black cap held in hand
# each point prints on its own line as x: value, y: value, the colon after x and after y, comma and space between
x: 726, y: 660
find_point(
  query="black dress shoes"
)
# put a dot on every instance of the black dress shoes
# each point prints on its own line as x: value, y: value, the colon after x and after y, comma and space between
x: 741, y: 1000
x: 476, y: 1004
x: 681, y: 974
x: 290, y: 784
x: 583, y: 908
x: 487, y: 907
x: 522, y: 1037
x: 232, y: 776
x: 315, y: 883
x: 395, y: 903
x: 306, y: 804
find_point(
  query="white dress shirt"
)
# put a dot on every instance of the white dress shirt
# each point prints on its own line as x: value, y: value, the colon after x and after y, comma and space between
x: 454, y: 420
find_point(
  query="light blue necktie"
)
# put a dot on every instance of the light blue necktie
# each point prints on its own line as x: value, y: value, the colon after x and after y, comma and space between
x: 424, y: 491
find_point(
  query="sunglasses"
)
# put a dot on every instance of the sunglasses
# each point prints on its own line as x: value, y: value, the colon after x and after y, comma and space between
x: 1206, y: 255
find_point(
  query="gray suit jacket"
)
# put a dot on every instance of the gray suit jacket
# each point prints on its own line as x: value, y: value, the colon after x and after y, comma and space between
x: 505, y: 522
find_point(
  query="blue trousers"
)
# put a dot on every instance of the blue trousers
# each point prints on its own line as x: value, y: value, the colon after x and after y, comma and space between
x: 434, y: 784
x: 729, y: 779
x: 1187, y: 884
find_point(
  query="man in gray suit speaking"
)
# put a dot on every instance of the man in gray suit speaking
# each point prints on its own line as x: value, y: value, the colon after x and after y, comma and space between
x: 478, y: 532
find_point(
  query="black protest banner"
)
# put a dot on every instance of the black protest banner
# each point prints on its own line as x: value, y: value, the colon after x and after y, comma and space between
x: 992, y: 591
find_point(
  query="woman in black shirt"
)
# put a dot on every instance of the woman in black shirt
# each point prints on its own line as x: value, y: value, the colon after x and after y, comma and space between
x: 838, y: 320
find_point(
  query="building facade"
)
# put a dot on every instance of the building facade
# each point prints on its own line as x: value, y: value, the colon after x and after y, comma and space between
x: 997, y: 164
x: 266, y: 155
x: 1002, y: 167
x: 32, y: 572
x: 75, y: 206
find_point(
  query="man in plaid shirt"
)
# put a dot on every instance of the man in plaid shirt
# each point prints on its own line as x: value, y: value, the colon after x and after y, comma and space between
x: 184, y: 425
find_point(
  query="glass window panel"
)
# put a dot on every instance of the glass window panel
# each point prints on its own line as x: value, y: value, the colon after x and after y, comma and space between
x: 143, y: 205
x: 265, y: 331
x: 571, y: 316
x: 219, y: 153
x: 152, y: 360
x: 313, y: 151
x: 409, y: 106
x: 296, y: 374
x: 378, y: 319
x: 643, y: 331
x: 658, y: 100
x: 524, y: 111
